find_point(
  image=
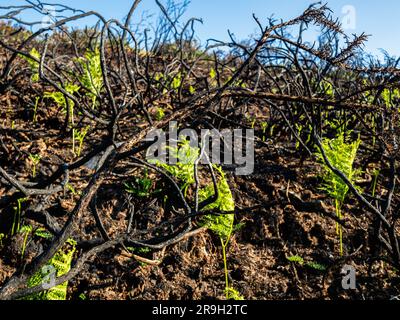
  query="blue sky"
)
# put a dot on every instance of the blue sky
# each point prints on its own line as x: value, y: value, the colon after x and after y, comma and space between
x: 378, y: 18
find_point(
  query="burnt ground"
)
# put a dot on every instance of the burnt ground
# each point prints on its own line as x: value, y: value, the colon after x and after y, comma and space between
x: 257, y: 255
x: 294, y: 221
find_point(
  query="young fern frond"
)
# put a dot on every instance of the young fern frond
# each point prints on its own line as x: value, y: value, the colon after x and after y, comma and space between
x: 79, y: 135
x: 33, y: 65
x: 183, y: 170
x: 92, y: 77
x: 61, y: 263
x: 232, y: 294
x: 296, y: 259
x: 61, y: 101
x: 35, y: 159
x: 59, y: 98
x: 221, y: 224
x: 342, y: 156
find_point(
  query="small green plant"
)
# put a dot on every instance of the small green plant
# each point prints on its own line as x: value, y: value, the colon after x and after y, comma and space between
x: 192, y: 89
x: 176, y: 82
x: 141, y: 251
x: 390, y: 96
x: 327, y: 88
x: 79, y: 135
x: 27, y: 230
x: 233, y: 294
x: 141, y: 186
x: 33, y: 65
x: 2, y: 237
x: 183, y: 170
x: 341, y: 155
x: 213, y: 74
x: 72, y: 189
x: 158, y: 76
x: 42, y: 233
x: 82, y: 296
x: 271, y: 130
x: 221, y: 224
x: 375, y: 181
x: 264, y: 126
x: 310, y: 264
x: 35, y: 106
x: 252, y: 120
x: 59, y: 99
x: 92, y: 77
x: 17, y: 216
x: 35, y: 159
x: 316, y: 266
x: 237, y: 83
x: 160, y: 114
x: 296, y: 259
x: 60, y: 263
x: 299, y: 128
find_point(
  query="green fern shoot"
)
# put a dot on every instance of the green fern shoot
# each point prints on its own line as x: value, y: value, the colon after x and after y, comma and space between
x: 223, y: 224
x: 341, y: 155
x: 61, y: 263
x: 33, y: 65
x: 92, y: 77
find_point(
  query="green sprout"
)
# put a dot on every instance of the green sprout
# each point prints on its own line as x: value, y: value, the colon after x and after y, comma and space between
x: 92, y: 77
x: 82, y: 296
x: 310, y: 264
x: 183, y: 170
x: 389, y: 96
x: 213, y: 74
x: 316, y: 266
x: 35, y: 109
x: 327, y: 88
x: 297, y: 259
x: 342, y: 156
x: 72, y: 189
x: 141, y: 186
x: 35, y: 159
x: 60, y: 100
x: 33, y: 65
x: 299, y: 128
x: 264, y: 126
x: 375, y: 181
x: 27, y: 229
x: 160, y: 114
x: 221, y: 224
x: 192, y: 90
x: 17, y: 216
x: 79, y: 135
x: 61, y: 264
